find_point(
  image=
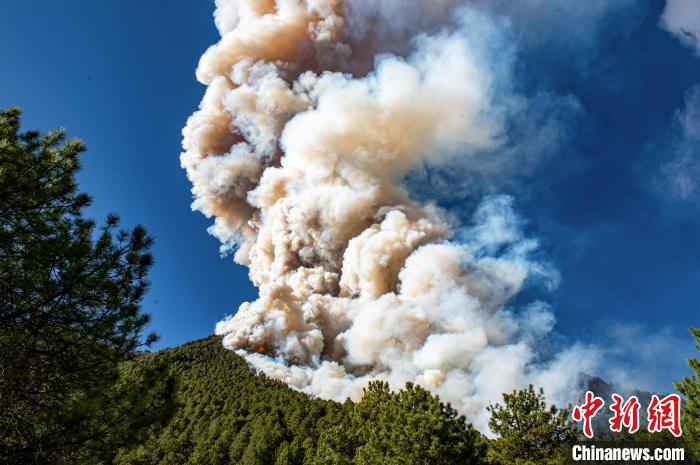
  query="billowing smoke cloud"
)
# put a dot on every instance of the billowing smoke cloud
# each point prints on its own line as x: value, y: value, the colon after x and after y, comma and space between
x: 298, y: 152
x: 682, y: 18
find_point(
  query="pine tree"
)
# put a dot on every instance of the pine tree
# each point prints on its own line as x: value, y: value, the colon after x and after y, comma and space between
x: 70, y: 300
x: 690, y: 388
x: 530, y: 433
x: 412, y: 427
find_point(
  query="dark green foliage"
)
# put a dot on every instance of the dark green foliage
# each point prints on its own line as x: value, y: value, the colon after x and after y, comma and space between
x: 70, y: 300
x: 529, y: 431
x: 690, y: 388
x: 227, y: 414
x: 412, y: 427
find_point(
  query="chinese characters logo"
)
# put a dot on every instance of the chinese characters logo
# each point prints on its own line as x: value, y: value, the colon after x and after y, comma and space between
x: 662, y: 414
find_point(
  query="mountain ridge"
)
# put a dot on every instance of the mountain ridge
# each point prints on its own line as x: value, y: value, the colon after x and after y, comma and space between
x: 204, y: 405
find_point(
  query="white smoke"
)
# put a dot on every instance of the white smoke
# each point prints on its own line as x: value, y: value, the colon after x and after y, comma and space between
x: 682, y: 18
x: 300, y: 164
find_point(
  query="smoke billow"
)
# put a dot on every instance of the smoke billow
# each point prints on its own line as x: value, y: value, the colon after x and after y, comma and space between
x: 298, y: 152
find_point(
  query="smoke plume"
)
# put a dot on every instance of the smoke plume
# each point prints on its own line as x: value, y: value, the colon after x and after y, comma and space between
x: 314, y: 113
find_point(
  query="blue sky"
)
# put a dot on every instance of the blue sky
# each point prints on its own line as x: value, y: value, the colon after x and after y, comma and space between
x: 605, y: 201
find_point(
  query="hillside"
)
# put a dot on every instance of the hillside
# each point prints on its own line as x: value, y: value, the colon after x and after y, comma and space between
x: 201, y: 404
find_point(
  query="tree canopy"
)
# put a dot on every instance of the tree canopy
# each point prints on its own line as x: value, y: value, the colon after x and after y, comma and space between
x: 70, y: 299
x: 690, y: 388
x: 530, y: 431
x: 227, y: 414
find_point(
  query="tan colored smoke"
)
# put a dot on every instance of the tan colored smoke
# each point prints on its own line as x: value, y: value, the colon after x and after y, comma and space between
x: 300, y: 165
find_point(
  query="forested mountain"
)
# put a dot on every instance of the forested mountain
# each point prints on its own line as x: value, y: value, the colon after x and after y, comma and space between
x: 203, y: 405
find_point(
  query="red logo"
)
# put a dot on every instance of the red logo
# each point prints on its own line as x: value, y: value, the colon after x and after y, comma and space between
x: 665, y: 414
x: 587, y: 412
x: 662, y: 414
x: 624, y: 414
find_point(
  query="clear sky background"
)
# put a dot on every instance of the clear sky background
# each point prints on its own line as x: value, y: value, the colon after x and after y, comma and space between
x: 615, y: 203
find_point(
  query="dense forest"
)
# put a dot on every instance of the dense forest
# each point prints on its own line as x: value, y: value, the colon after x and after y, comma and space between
x: 212, y: 409
x: 78, y: 385
x: 202, y: 404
